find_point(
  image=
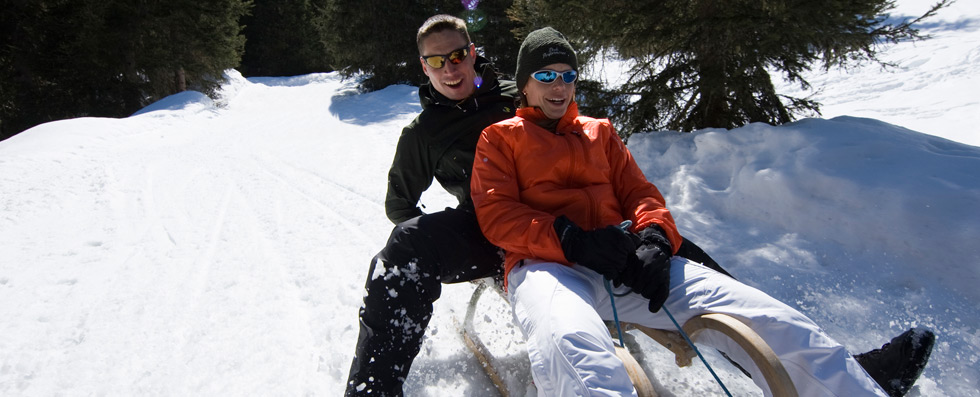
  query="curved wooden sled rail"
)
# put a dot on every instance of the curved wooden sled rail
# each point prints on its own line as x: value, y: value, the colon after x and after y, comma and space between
x: 765, y: 359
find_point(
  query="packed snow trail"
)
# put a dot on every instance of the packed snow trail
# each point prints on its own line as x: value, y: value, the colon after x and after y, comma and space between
x: 204, y: 232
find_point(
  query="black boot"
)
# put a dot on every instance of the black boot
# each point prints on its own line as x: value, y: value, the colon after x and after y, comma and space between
x: 897, y: 364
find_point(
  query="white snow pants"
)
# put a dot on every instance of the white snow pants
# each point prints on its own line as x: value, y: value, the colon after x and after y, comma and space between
x: 561, y: 311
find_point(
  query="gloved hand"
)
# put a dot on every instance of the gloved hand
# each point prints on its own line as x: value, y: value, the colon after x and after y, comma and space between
x: 605, y: 250
x: 648, y: 271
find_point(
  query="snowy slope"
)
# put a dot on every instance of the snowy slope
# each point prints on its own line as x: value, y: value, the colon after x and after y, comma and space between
x: 202, y: 247
x: 931, y: 89
x: 185, y: 250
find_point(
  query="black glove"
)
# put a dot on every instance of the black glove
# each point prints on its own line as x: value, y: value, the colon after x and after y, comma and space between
x: 605, y: 250
x: 648, y: 271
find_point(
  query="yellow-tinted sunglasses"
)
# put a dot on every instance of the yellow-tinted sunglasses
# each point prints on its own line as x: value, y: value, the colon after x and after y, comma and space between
x: 456, y: 57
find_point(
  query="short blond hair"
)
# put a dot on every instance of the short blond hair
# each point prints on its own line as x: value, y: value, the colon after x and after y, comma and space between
x: 439, y: 23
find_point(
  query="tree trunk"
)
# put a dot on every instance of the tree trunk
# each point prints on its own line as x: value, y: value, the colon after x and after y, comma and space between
x: 180, y: 80
x: 132, y: 92
x: 712, y: 109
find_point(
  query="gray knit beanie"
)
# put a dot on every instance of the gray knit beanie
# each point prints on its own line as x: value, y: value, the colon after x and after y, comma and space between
x: 541, y: 48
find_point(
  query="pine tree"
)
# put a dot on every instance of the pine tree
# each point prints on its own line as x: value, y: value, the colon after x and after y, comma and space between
x: 191, y: 43
x: 71, y: 58
x: 374, y: 37
x: 39, y: 61
x: 283, y: 39
x: 497, y: 37
x: 706, y: 63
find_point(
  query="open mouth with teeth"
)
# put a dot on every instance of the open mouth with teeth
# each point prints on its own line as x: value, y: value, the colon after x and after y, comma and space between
x: 453, y: 84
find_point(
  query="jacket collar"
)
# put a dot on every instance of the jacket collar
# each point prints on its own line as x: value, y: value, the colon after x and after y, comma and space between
x: 566, y: 124
x: 429, y: 96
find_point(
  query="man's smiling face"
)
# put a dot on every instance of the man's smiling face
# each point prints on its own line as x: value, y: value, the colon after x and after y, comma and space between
x: 455, y: 81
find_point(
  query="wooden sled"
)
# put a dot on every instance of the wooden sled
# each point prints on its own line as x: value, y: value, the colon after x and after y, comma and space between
x: 762, y: 355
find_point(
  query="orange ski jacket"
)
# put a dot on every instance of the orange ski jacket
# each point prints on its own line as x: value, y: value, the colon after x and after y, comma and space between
x: 524, y: 176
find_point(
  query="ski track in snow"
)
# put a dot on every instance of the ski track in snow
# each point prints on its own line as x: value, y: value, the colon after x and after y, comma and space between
x: 174, y: 220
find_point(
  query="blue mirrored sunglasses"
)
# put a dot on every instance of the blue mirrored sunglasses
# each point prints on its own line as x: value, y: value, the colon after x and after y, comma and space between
x: 549, y: 76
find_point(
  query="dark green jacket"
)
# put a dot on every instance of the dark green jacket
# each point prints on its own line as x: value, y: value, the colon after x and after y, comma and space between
x: 440, y: 142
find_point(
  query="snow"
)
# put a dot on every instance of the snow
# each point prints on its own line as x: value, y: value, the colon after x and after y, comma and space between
x: 933, y: 87
x: 206, y: 247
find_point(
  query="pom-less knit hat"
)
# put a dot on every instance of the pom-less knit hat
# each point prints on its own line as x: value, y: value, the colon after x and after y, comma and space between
x: 541, y: 48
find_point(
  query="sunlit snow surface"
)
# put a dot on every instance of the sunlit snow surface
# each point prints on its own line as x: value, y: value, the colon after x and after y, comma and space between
x: 207, y: 247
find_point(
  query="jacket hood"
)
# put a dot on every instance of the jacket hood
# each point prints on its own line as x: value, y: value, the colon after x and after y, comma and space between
x: 429, y: 96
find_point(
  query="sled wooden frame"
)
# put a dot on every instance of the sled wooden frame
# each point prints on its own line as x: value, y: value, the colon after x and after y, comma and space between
x: 765, y: 359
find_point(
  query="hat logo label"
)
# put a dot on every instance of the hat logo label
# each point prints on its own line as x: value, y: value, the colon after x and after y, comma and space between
x: 554, y: 51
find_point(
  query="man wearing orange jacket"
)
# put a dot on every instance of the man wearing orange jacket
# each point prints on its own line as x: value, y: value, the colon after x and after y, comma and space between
x: 552, y: 188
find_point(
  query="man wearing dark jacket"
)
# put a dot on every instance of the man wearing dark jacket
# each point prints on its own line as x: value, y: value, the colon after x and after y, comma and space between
x: 463, y: 96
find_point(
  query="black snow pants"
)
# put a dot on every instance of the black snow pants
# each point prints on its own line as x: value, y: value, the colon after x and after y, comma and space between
x: 405, y: 279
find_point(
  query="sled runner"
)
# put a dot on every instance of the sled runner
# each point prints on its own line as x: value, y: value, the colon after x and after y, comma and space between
x: 760, y: 352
